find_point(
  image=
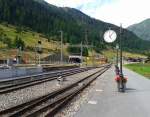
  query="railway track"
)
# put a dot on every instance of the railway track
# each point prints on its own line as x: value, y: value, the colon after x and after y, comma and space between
x: 36, y: 79
x: 51, y: 103
x: 32, y: 77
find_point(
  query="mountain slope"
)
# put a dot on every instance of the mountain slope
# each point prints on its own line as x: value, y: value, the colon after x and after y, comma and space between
x: 49, y: 20
x: 141, y: 29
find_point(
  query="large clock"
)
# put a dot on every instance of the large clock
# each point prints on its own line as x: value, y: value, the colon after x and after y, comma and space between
x: 110, y: 36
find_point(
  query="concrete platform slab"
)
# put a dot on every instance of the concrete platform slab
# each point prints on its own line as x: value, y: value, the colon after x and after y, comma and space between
x: 106, y: 101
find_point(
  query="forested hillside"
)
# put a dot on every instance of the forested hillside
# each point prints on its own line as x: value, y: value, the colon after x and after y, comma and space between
x: 141, y: 29
x: 42, y: 17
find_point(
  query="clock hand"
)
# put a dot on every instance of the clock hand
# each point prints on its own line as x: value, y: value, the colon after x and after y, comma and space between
x: 111, y: 33
x: 110, y: 36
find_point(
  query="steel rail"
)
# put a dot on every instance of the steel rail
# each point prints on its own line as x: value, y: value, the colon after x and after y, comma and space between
x: 14, y: 87
x: 23, y: 108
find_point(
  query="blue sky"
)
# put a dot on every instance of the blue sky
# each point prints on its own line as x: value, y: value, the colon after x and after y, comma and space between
x: 127, y: 12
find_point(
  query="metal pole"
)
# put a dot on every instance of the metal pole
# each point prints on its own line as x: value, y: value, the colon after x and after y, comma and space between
x: 93, y: 55
x: 121, y: 73
x: 39, y: 60
x: 18, y: 55
x: 86, y: 42
x: 61, y: 59
x: 35, y: 55
x: 117, y: 58
x: 39, y: 51
x: 117, y: 48
x: 81, y: 54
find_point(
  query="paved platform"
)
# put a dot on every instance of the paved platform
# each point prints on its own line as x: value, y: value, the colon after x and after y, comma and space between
x: 105, y: 101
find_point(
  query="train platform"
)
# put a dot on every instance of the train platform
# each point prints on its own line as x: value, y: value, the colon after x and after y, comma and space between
x: 105, y: 101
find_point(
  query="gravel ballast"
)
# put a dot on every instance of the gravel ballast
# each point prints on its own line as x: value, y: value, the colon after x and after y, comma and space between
x: 20, y: 96
x: 74, y: 106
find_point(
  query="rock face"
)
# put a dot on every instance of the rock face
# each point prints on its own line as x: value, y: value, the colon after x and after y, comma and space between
x: 141, y: 29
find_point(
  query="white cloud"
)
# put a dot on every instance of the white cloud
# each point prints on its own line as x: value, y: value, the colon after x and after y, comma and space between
x: 69, y: 3
x: 126, y: 12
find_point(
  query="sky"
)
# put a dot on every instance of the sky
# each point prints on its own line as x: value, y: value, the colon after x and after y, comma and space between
x: 125, y: 12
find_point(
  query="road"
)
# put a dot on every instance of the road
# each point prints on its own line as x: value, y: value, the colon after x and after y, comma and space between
x: 105, y: 101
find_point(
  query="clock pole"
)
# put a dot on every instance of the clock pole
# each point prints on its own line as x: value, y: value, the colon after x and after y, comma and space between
x: 117, y: 56
x: 121, y: 72
x: 123, y: 80
x: 110, y: 36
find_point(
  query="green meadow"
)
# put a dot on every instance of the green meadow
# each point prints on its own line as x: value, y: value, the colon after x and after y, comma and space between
x: 143, y: 69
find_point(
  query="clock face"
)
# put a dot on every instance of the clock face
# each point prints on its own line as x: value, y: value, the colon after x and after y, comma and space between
x: 110, y: 36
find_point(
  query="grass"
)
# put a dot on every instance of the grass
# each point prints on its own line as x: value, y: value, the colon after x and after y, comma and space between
x: 30, y: 38
x: 111, y: 54
x: 143, y: 69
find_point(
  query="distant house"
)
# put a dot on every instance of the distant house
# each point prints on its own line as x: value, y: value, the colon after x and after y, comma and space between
x: 131, y: 59
x: 147, y: 60
x: 3, y: 61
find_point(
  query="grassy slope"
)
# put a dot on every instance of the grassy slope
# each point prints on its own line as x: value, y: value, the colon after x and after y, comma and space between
x: 112, y: 53
x: 143, y: 69
x: 30, y: 38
